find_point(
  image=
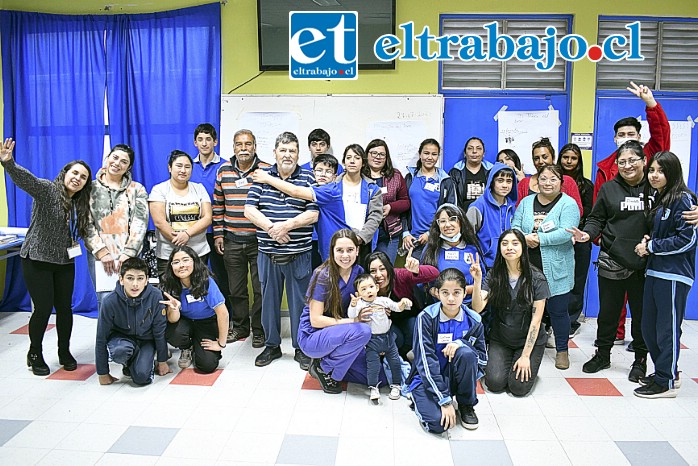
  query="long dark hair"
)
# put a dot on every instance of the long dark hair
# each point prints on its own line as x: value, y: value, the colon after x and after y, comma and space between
x: 198, y: 278
x: 389, y: 269
x: 431, y: 251
x: 329, y: 270
x: 578, y: 173
x: 426, y: 142
x: 675, y: 185
x: 500, y: 296
x: 510, y: 154
x: 80, y: 200
x: 388, y: 170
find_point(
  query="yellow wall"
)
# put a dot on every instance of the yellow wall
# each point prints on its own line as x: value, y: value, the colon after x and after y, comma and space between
x: 239, y: 44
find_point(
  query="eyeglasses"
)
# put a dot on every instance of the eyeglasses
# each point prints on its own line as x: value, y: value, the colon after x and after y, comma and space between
x: 186, y: 261
x: 552, y: 180
x: 441, y: 222
x: 628, y: 162
x: 320, y: 172
x: 376, y: 154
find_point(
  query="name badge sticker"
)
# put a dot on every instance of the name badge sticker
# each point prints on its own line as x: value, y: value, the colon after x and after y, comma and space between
x: 241, y: 182
x: 384, y: 190
x: 444, y: 338
x: 74, y: 251
x: 451, y: 255
x: 547, y: 226
x: 191, y: 299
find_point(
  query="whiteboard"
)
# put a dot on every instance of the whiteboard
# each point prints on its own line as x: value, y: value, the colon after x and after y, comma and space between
x: 519, y: 130
x: 403, y: 121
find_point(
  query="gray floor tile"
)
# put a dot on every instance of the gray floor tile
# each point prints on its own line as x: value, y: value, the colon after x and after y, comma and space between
x: 144, y: 441
x: 467, y: 452
x: 650, y: 453
x: 9, y: 428
x: 308, y: 449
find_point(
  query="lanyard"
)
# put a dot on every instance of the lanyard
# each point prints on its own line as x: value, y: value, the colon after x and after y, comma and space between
x: 73, y: 222
x: 128, y: 203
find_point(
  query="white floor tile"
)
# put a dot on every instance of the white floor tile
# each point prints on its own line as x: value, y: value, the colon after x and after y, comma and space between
x: 569, y: 406
x: 70, y: 458
x: 47, y: 434
x: 594, y: 453
x: 624, y: 428
x: 578, y: 428
x: 202, y: 445
x: 92, y: 437
x: 118, y: 459
x: 252, y: 447
x: 21, y: 456
x: 352, y: 451
x: 428, y: 449
x: 537, y: 453
x: 525, y: 428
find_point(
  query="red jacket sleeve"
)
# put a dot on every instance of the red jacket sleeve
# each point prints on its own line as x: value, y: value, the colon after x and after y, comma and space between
x: 522, y: 189
x: 570, y: 188
x: 660, y: 131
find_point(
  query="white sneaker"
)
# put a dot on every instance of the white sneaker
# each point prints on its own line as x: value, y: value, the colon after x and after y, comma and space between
x: 394, y: 392
x: 550, y: 342
x: 185, y: 358
x: 375, y: 394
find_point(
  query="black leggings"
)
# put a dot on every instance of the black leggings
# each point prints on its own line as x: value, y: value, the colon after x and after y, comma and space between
x: 49, y: 286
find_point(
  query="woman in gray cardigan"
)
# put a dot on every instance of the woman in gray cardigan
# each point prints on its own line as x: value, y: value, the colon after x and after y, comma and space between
x: 60, y: 215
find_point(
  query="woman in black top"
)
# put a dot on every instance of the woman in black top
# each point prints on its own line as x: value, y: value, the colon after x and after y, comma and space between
x: 516, y: 292
x: 570, y: 161
x: 60, y: 215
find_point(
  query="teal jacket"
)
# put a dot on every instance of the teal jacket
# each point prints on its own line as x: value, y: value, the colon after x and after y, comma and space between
x: 556, y: 248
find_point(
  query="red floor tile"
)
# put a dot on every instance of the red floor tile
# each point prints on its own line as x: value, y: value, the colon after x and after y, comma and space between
x: 572, y: 344
x: 82, y: 373
x: 479, y: 389
x: 695, y: 380
x: 24, y: 330
x: 191, y: 377
x: 683, y: 346
x: 593, y: 387
x: 311, y: 384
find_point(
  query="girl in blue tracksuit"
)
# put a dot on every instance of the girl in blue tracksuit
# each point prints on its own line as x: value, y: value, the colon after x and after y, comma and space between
x: 449, y: 358
x: 670, y: 273
x: 491, y: 214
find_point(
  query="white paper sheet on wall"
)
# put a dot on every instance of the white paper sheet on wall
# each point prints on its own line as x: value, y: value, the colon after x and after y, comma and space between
x: 266, y: 126
x: 403, y: 138
x: 680, y: 141
x: 519, y: 130
x: 104, y: 282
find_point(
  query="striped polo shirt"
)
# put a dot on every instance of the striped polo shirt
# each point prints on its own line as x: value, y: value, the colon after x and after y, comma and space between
x: 229, y: 197
x: 277, y: 207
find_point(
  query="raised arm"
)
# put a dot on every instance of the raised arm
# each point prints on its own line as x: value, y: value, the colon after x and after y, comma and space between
x: 290, y: 189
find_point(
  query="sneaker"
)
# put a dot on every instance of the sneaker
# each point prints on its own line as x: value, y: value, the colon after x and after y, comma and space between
x: 649, y: 380
x: 574, y: 329
x: 617, y: 341
x: 655, y: 390
x: 302, y: 359
x: 395, y: 392
x: 375, y: 394
x: 328, y: 384
x: 468, y: 418
x: 637, y: 371
x: 562, y: 360
x: 126, y: 371
x: 185, y: 358
x: 630, y: 347
x: 596, y: 363
x: 235, y: 334
x: 258, y: 340
x: 267, y: 356
x: 550, y: 342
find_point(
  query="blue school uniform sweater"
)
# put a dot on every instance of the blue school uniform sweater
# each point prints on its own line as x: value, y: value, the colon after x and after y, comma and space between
x: 673, y: 244
x: 493, y: 218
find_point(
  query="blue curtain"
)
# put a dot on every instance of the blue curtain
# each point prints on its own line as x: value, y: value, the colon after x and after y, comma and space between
x: 163, y: 79
x: 54, y: 77
x: 161, y: 76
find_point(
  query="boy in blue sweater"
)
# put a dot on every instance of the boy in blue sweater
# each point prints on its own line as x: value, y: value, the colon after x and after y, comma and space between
x: 491, y: 214
x: 449, y: 357
x: 131, y: 327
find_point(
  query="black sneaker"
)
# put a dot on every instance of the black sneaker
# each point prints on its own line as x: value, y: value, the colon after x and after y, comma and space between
x: 649, y: 380
x: 235, y: 334
x: 468, y: 418
x: 655, y: 390
x: 258, y: 340
x: 126, y: 371
x: 637, y: 371
x: 328, y: 384
x: 596, y: 363
x: 302, y: 359
x: 267, y: 356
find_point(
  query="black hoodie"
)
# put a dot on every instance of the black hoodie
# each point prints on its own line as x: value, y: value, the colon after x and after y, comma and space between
x: 619, y: 216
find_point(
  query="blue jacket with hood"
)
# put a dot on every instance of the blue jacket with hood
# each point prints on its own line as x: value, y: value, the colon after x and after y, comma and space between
x: 489, y: 218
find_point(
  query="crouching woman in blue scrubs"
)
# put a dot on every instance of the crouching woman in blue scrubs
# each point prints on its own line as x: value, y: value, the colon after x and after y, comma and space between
x: 449, y: 358
x: 325, y: 333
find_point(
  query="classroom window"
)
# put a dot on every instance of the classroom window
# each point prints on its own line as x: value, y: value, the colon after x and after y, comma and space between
x: 670, y: 49
x: 501, y: 75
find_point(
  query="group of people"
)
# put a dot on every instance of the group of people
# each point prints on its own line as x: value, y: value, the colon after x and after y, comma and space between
x: 493, y: 258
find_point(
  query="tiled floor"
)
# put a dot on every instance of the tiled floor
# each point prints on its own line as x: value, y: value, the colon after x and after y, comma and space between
x: 277, y: 415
